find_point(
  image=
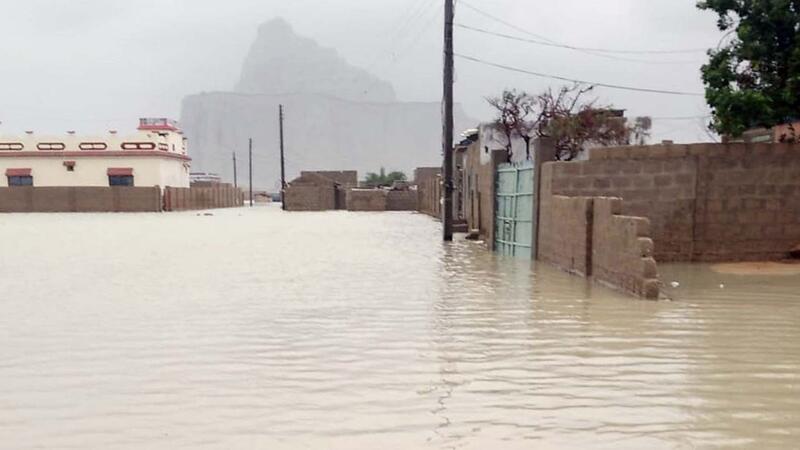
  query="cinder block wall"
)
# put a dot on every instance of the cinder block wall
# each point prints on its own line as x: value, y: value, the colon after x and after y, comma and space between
x: 429, y: 195
x: 588, y: 236
x: 401, y: 201
x: 310, y: 197
x: 479, y: 195
x: 366, y: 200
x: 622, y: 250
x: 705, y: 202
x: 187, y: 199
x: 80, y: 199
x: 565, y: 230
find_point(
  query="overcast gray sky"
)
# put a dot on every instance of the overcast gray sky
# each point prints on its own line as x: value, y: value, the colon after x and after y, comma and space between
x: 92, y: 65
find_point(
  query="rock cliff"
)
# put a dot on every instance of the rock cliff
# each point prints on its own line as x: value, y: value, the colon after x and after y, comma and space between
x: 337, y: 116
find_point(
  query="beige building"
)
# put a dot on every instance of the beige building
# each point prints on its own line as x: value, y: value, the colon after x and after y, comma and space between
x: 154, y: 156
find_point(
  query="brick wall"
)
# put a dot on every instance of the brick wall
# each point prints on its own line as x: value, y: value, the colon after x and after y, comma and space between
x: 366, y: 200
x: 185, y: 199
x: 706, y: 202
x: 401, y: 201
x: 80, y: 199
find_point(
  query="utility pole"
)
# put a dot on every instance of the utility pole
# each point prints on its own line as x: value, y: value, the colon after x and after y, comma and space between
x: 251, y: 171
x: 235, y: 175
x: 283, y: 161
x: 447, y: 121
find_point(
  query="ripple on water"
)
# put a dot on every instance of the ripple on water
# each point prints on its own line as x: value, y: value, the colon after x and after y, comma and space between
x: 257, y: 329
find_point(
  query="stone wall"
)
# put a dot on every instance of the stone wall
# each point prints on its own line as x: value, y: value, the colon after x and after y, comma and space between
x: 366, y: 200
x: 401, y: 201
x: 80, y: 199
x: 705, y: 202
x: 220, y: 196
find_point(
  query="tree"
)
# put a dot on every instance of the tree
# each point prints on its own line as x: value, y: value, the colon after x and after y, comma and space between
x: 382, y: 179
x: 513, y: 110
x: 572, y: 122
x: 754, y: 80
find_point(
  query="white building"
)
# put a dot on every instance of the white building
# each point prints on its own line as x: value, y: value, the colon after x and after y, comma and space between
x: 154, y: 156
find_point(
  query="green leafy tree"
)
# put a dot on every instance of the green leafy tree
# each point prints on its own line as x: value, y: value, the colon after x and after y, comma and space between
x: 383, y: 179
x: 754, y: 80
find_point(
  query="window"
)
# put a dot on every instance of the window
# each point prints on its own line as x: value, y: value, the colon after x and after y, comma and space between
x: 163, y: 147
x: 138, y: 146
x: 93, y: 146
x: 52, y: 146
x: 22, y: 180
x: 120, y: 176
x: 11, y: 146
x: 120, y: 180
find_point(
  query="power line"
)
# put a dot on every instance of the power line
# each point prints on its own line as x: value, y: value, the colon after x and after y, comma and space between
x: 682, y: 118
x: 594, y: 52
x: 508, y: 24
x: 573, y: 80
x: 572, y: 47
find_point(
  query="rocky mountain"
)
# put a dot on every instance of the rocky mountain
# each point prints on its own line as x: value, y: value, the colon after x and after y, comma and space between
x: 338, y: 117
x: 282, y: 62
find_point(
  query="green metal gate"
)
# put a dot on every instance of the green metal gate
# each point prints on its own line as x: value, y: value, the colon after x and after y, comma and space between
x: 514, y: 212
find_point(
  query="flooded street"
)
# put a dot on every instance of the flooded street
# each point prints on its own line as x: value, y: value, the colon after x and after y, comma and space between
x: 254, y: 329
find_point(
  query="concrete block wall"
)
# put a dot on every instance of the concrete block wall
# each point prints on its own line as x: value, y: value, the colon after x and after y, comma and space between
x: 565, y: 232
x: 80, y: 199
x: 662, y: 190
x: 748, y: 203
x: 480, y: 174
x: 310, y: 197
x: 366, y: 200
x: 706, y: 202
x: 429, y: 195
x: 622, y: 250
x: 186, y: 199
x: 401, y: 201
x: 589, y: 236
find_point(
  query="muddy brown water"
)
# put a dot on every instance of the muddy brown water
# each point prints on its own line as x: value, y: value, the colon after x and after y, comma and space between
x: 254, y: 329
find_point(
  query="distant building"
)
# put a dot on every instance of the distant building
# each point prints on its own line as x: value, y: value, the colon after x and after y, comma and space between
x: 154, y: 156
x: 788, y: 132
x: 204, y: 179
x: 320, y: 190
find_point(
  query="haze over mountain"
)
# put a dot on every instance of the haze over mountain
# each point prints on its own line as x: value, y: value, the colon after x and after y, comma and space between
x: 282, y: 62
x: 337, y: 116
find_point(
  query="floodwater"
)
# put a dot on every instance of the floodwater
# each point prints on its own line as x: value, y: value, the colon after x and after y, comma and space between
x: 254, y: 329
